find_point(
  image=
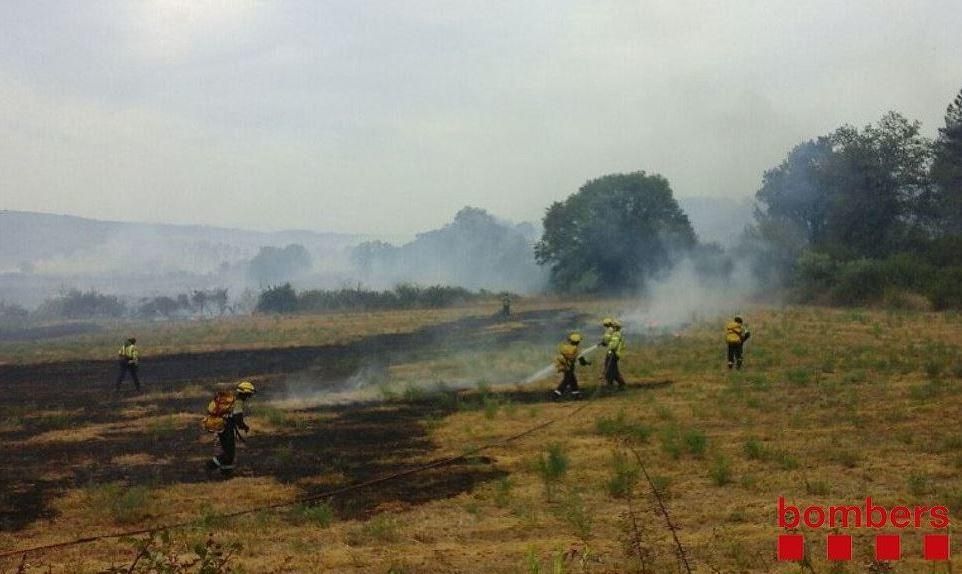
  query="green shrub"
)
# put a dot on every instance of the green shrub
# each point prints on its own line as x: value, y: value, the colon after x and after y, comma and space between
x: 619, y: 426
x: 721, y: 473
x: 696, y: 442
x: 552, y: 466
x: 121, y: 504
x: 319, y: 514
x: 624, y: 475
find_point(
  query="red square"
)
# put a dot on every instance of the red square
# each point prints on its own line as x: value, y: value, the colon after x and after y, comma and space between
x: 839, y: 547
x: 888, y: 547
x: 935, y: 546
x: 791, y: 547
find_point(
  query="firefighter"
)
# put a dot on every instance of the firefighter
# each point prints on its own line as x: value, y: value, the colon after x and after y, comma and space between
x: 616, y: 347
x: 736, y: 333
x: 128, y: 358
x: 227, y: 438
x: 506, y: 305
x: 605, y: 338
x: 566, y: 361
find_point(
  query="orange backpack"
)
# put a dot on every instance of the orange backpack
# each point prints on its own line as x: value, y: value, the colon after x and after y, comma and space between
x: 219, y: 408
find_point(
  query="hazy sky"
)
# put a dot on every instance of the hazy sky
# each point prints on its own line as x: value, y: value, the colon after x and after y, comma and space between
x: 387, y: 117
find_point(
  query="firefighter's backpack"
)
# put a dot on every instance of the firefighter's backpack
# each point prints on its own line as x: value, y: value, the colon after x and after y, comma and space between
x: 218, y: 410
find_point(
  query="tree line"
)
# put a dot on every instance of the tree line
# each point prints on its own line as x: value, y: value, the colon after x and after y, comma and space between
x: 861, y: 215
x: 285, y: 299
x: 857, y: 216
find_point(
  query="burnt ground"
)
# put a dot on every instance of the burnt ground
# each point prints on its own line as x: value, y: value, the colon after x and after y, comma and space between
x: 360, y: 441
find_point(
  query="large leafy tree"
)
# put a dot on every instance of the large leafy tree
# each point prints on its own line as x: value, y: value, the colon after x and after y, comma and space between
x: 947, y: 168
x: 854, y: 193
x: 273, y: 264
x: 612, y: 234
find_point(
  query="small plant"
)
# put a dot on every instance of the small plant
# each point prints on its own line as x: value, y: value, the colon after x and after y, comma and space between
x: 624, y: 476
x: 552, y: 466
x: 754, y: 449
x: 926, y: 391
x: 817, y: 487
x: 696, y: 442
x: 122, y: 505
x: 158, y: 554
x: 721, y: 473
x: 934, y: 368
x: 619, y: 426
x: 662, y: 484
x: 502, y: 492
x: 491, y: 406
x: 918, y: 484
x: 320, y: 514
x: 380, y: 528
x: 798, y: 376
x: 785, y: 459
x: 532, y: 564
x: 671, y: 441
x: 576, y: 514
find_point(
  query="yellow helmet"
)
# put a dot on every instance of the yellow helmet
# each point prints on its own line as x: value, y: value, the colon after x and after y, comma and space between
x: 574, y: 338
x: 607, y: 322
x: 245, y: 388
x: 616, y: 324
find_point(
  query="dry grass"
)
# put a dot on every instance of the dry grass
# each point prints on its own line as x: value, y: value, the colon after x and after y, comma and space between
x: 722, y: 447
x: 247, y: 332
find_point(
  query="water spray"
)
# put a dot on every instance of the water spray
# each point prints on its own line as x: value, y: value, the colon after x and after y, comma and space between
x: 550, y: 368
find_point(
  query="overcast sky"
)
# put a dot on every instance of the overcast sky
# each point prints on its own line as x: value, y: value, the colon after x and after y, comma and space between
x: 387, y: 117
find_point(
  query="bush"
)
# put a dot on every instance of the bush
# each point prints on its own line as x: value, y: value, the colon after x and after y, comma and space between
x: 76, y: 304
x: 281, y: 299
x: 122, y: 505
x: 552, y: 466
x: 284, y: 299
x: 721, y: 473
x: 320, y: 514
x: 624, y: 476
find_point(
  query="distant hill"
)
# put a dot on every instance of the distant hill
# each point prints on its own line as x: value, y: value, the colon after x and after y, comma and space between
x: 718, y: 219
x: 41, y: 252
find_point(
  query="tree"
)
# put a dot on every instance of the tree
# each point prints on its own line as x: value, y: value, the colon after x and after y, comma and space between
x: 475, y: 250
x: 947, y: 169
x: 854, y: 193
x: 280, y: 299
x: 612, y: 234
x: 165, y: 306
x: 272, y: 264
x: 199, y: 298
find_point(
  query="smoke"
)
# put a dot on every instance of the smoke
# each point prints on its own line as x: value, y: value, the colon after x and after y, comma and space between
x: 475, y: 251
x: 687, y: 296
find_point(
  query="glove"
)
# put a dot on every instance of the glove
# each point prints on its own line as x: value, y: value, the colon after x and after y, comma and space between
x: 602, y: 344
x: 583, y: 361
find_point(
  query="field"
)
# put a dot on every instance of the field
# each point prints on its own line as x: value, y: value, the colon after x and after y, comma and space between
x: 833, y: 406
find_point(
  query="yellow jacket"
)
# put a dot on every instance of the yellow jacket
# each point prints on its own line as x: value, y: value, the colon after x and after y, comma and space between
x: 734, y: 332
x: 130, y: 353
x: 606, y: 338
x: 567, y: 357
x: 616, y: 343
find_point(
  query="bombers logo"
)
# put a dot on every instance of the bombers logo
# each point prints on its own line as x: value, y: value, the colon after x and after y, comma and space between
x: 888, y: 547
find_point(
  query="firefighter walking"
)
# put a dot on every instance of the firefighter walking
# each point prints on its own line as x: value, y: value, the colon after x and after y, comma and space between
x: 566, y: 361
x: 225, y: 416
x: 616, y: 347
x: 736, y: 333
x: 128, y: 360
